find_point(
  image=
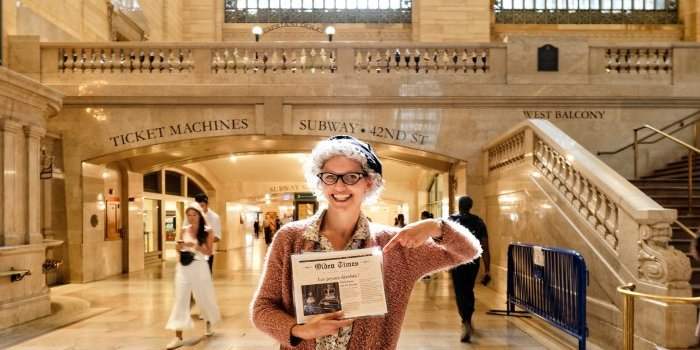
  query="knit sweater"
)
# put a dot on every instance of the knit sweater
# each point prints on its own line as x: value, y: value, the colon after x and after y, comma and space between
x: 272, y: 309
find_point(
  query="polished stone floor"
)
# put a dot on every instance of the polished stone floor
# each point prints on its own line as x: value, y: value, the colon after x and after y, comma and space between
x: 130, y: 311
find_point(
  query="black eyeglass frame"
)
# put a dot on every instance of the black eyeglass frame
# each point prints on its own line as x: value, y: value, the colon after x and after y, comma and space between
x: 341, y: 177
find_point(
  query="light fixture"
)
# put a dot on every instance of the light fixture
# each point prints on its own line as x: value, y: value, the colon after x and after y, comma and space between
x: 101, y: 205
x: 257, y: 31
x: 330, y: 31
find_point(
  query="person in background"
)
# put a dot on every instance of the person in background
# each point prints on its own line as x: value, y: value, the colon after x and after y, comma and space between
x: 400, y: 221
x: 192, y: 278
x: 464, y: 276
x: 256, y: 228
x: 347, y: 173
x: 213, y: 221
x: 268, y: 230
x: 423, y: 216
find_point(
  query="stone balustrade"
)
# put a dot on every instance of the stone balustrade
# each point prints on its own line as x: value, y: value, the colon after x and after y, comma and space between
x: 127, y: 60
x: 588, y: 199
x: 544, y: 188
x: 640, y: 60
x: 507, y: 152
x: 273, y: 60
x: 614, y: 209
x: 465, y: 65
x: 428, y: 60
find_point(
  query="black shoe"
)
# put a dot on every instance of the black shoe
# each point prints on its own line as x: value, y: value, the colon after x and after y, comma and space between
x: 467, y: 331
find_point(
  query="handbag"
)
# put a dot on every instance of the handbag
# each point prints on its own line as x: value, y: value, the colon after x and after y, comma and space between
x: 186, y: 258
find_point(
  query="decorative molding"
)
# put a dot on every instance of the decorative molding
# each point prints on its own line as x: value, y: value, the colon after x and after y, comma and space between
x: 22, y: 90
x: 660, y: 263
x: 10, y: 126
x: 33, y: 131
x: 658, y: 16
x: 310, y: 26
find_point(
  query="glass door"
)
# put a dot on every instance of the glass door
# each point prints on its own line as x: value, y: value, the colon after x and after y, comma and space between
x: 152, y: 230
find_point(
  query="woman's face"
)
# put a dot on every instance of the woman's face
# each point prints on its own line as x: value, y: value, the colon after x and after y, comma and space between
x: 341, y: 195
x: 192, y: 217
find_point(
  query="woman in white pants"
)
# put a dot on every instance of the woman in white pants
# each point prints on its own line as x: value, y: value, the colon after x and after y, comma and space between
x: 193, y: 278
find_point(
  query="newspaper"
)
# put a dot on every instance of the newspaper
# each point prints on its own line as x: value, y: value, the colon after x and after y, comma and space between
x: 348, y: 280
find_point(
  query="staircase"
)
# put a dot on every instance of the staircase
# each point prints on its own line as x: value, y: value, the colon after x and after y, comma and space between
x: 668, y: 186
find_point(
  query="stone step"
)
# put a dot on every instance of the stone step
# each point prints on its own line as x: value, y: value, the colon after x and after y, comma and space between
x: 689, y: 220
x: 681, y: 244
x: 676, y: 171
x: 679, y: 233
x: 674, y: 176
x: 664, y: 190
x: 660, y: 182
x: 673, y: 200
x: 683, y: 209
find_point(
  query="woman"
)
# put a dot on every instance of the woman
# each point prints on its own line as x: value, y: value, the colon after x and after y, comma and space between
x: 193, y: 277
x: 347, y: 172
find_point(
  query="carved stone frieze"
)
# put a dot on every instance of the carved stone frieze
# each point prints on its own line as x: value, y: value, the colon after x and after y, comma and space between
x: 659, y: 262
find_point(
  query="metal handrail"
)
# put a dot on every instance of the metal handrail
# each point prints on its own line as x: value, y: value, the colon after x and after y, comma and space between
x: 691, y: 154
x: 687, y: 230
x: 681, y: 125
x: 628, y: 310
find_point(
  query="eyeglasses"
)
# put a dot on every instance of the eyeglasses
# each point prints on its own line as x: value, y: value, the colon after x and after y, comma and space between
x: 347, y: 178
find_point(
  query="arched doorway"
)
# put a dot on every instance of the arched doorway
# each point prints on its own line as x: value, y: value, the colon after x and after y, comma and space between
x: 97, y: 258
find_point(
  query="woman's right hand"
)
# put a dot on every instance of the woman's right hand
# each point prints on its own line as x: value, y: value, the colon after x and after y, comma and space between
x: 320, y: 326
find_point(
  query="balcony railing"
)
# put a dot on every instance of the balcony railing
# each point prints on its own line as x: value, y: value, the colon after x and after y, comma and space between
x: 225, y: 63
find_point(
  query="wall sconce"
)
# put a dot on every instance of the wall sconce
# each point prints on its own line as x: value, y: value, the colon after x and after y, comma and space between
x: 330, y: 31
x: 257, y: 31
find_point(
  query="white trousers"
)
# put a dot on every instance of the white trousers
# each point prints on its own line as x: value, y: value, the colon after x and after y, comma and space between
x: 193, y: 279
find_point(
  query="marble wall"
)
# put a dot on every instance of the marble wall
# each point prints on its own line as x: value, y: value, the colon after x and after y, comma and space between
x: 24, y: 107
x: 63, y: 20
x: 164, y: 19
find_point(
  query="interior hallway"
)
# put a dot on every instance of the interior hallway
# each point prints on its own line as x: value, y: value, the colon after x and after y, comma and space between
x: 130, y: 311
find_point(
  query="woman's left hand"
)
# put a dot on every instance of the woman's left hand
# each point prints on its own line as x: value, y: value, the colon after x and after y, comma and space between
x: 415, y: 234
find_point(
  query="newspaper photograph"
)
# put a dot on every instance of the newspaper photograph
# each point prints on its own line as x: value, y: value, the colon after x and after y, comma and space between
x: 348, y: 280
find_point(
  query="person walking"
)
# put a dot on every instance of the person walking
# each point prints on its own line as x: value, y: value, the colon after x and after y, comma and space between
x: 400, y: 221
x: 214, y: 223
x: 192, y: 277
x: 464, y: 276
x: 256, y: 228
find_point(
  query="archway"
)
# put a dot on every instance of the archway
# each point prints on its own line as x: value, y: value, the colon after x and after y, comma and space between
x: 95, y: 256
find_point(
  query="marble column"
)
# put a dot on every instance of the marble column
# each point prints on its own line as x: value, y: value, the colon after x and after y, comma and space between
x: 11, y: 134
x: 34, y: 135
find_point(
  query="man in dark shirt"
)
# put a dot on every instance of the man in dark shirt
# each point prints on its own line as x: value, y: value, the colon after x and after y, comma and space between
x: 464, y: 276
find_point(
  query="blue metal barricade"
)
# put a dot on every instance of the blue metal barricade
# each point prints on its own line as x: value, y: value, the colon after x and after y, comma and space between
x: 550, y: 283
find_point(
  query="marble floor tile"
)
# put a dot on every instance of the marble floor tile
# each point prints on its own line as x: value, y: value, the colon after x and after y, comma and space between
x: 134, y: 309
